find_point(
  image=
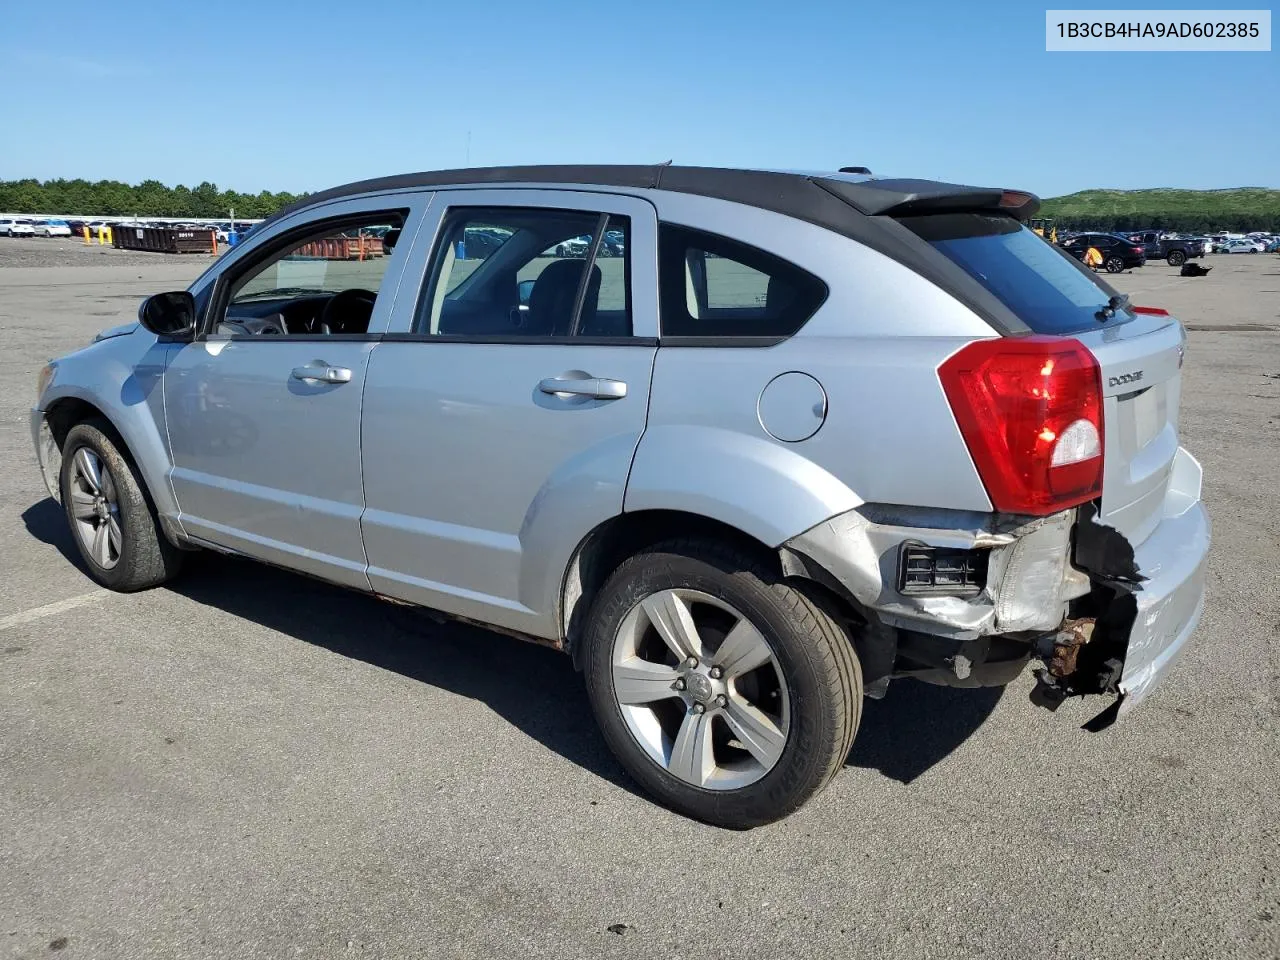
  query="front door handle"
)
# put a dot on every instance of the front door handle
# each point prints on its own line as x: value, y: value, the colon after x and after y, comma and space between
x: 597, y: 388
x: 321, y: 372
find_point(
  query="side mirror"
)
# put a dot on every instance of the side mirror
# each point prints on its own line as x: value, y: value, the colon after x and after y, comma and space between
x: 526, y: 291
x: 169, y: 314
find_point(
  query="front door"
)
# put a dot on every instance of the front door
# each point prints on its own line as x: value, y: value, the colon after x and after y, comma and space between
x: 263, y: 408
x: 505, y: 404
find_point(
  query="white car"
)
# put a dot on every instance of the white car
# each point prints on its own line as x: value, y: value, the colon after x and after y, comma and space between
x: 52, y: 228
x: 17, y: 228
x: 573, y: 247
x: 1242, y: 246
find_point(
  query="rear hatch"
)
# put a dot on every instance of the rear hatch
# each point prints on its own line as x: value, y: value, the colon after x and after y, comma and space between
x: 1141, y: 381
x: 1140, y: 354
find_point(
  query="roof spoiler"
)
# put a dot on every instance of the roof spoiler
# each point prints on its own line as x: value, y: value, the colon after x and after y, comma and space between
x: 903, y: 197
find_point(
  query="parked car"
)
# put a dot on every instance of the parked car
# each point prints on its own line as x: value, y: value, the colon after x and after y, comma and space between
x: 52, y: 228
x: 1173, y: 250
x: 1273, y: 246
x: 573, y: 247
x: 744, y: 475
x: 1118, y: 253
x: 614, y: 244
x: 1242, y: 246
x: 17, y: 228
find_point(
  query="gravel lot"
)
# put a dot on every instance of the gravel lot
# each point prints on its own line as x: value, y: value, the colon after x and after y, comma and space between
x: 251, y: 764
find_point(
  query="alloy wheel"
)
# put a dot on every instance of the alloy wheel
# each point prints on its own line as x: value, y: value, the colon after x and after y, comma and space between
x: 95, y: 508
x: 700, y: 689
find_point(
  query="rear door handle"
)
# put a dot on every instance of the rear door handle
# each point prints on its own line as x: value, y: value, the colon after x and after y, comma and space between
x: 321, y: 372
x: 597, y: 388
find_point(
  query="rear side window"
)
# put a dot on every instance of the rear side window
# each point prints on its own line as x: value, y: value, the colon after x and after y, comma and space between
x: 711, y: 286
x: 1045, y: 287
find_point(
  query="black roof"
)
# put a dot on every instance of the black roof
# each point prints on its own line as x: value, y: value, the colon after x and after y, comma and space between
x: 825, y: 199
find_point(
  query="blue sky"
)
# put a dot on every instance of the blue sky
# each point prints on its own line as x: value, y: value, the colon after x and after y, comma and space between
x: 298, y: 96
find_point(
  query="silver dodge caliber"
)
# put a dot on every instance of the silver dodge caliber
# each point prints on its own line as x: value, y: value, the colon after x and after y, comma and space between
x: 747, y: 445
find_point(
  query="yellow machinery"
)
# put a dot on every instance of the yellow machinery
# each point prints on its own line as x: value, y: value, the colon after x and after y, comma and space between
x: 1043, y: 226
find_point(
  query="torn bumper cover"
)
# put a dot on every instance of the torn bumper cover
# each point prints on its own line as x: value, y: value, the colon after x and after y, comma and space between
x: 1031, y: 588
x: 1172, y: 560
x: 1028, y: 582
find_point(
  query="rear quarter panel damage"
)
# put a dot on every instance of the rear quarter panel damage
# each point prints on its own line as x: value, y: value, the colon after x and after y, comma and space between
x: 1028, y: 580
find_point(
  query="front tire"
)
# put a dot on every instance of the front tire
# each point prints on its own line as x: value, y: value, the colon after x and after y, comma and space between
x: 112, y: 521
x: 1176, y: 258
x: 729, y: 695
x: 1115, y: 265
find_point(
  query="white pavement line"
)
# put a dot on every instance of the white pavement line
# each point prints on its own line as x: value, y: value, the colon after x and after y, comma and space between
x: 51, y: 609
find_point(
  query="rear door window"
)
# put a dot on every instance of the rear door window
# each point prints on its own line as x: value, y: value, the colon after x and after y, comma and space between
x: 1044, y: 286
x: 519, y: 273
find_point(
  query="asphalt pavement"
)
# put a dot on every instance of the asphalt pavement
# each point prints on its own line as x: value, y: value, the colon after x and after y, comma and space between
x: 247, y: 763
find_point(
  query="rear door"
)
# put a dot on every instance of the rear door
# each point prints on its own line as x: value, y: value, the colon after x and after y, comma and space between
x: 505, y: 404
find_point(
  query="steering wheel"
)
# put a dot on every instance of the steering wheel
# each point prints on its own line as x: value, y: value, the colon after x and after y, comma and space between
x: 347, y: 311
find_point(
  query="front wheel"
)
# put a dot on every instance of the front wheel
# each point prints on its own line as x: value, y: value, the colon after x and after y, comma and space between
x: 114, y: 523
x: 1115, y: 265
x: 729, y: 695
x: 1176, y: 258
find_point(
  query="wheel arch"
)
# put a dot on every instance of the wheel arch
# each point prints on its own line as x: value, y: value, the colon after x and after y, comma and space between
x: 610, y: 543
x: 64, y: 412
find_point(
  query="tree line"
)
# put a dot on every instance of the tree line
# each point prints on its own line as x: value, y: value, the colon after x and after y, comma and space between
x: 151, y: 198
x: 1189, y: 211
x: 1240, y: 209
x: 1181, y: 223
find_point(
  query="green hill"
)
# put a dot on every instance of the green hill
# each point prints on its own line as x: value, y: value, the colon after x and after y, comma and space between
x: 1240, y: 208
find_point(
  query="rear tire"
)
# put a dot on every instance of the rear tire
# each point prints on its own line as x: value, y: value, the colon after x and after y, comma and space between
x: 1176, y: 258
x: 776, y: 732
x: 1115, y: 265
x: 112, y: 520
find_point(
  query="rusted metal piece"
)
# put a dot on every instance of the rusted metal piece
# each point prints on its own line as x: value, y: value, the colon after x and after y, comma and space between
x: 342, y: 247
x: 1068, y: 643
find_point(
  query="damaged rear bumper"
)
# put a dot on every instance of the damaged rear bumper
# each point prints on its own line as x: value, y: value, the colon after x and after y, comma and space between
x: 1036, y: 590
x: 1173, y: 560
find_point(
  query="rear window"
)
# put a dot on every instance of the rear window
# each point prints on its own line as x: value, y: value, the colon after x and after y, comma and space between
x: 1043, y: 285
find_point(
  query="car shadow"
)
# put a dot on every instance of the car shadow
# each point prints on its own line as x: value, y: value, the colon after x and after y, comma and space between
x: 47, y: 522
x: 536, y: 689
x: 917, y: 725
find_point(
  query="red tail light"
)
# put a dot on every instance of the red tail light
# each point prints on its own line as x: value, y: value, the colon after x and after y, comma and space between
x: 1138, y: 249
x: 1030, y: 411
x: 1151, y: 311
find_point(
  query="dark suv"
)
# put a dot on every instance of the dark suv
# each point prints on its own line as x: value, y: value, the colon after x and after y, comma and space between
x: 1173, y: 250
x: 1118, y: 254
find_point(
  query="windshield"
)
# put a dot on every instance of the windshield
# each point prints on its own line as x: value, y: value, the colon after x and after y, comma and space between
x: 1038, y: 282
